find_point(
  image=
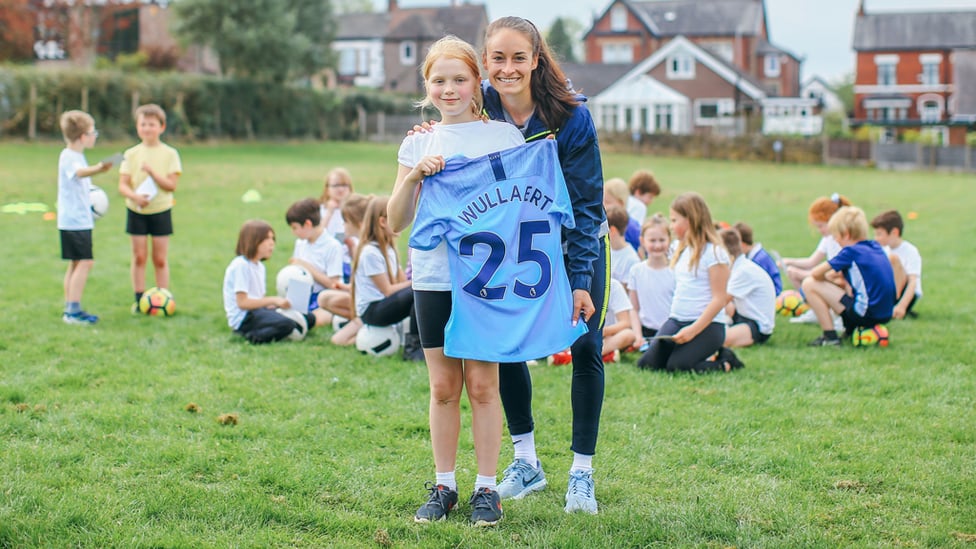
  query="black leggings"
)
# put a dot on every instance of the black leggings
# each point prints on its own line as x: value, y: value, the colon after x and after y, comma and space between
x: 266, y: 325
x: 665, y: 354
x: 515, y: 382
x: 391, y: 310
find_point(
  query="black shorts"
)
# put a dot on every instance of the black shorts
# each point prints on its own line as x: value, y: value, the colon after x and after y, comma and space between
x: 157, y: 224
x: 853, y: 320
x: 433, y: 311
x: 757, y: 336
x: 76, y: 245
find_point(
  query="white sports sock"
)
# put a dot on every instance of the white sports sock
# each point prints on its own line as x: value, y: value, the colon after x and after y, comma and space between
x: 525, y: 447
x: 484, y: 482
x: 447, y: 479
x: 582, y: 462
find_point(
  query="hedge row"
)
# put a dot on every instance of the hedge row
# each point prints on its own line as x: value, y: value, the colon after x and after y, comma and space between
x: 197, y: 106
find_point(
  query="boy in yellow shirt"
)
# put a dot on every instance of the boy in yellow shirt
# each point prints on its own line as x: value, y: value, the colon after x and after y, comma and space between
x: 148, y: 177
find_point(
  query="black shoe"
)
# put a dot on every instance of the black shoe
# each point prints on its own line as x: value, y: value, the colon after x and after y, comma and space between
x: 824, y: 341
x: 486, y: 507
x: 726, y: 356
x: 440, y: 502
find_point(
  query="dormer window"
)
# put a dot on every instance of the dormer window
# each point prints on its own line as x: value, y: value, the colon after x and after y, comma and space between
x: 771, y: 66
x: 681, y: 66
x: 618, y: 18
x: 408, y: 52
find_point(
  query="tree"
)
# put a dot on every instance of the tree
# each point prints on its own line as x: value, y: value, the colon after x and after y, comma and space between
x: 270, y: 40
x: 560, y: 41
x: 16, y: 30
x: 844, y: 88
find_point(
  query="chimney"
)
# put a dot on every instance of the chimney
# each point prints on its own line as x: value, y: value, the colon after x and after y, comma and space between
x: 860, y: 8
x: 391, y: 6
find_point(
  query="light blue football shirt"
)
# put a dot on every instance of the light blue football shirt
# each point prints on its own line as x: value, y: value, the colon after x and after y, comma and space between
x: 502, y: 216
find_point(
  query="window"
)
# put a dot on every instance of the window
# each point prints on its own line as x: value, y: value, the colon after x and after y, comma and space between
x: 347, y: 62
x: 930, y: 74
x: 618, y: 53
x: 681, y: 66
x: 771, y: 66
x: 722, y: 49
x: 930, y: 112
x: 618, y: 18
x: 662, y: 118
x: 408, y: 52
x: 711, y: 112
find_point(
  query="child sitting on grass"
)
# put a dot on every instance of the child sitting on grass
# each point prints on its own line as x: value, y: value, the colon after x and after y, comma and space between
x: 869, y: 298
x: 906, y: 262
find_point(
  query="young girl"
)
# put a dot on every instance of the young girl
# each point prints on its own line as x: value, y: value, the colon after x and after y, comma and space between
x: 338, y: 300
x: 798, y: 268
x: 249, y: 312
x: 696, y: 324
x: 380, y: 289
x: 338, y: 185
x: 651, y: 283
x: 451, y: 78
x: 527, y: 88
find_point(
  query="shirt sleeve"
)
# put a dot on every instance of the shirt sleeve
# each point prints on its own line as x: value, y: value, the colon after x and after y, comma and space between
x: 583, y: 170
x: 175, y: 165
x: 842, y: 261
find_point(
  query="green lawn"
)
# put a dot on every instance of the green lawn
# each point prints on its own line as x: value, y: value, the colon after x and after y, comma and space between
x: 803, y: 448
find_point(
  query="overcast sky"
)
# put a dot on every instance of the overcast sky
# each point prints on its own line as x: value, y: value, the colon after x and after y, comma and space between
x: 819, y: 31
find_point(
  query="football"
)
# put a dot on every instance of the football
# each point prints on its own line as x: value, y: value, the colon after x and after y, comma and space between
x: 301, y: 324
x: 99, y: 201
x: 378, y: 340
x: 791, y: 303
x: 157, y: 302
x: 291, y: 272
x: 867, y: 337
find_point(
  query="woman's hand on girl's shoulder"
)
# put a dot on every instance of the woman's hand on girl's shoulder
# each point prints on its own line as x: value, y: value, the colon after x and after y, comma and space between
x: 424, y: 127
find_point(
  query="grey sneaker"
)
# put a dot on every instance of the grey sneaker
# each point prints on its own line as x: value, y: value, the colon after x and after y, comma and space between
x: 439, y: 503
x: 486, y: 507
x: 520, y: 479
x: 579, y: 495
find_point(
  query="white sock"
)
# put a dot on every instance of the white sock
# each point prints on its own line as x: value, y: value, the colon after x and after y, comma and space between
x: 484, y: 482
x: 447, y: 479
x: 582, y: 462
x: 525, y: 447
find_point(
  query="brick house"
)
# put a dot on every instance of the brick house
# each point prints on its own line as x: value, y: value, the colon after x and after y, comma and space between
x: 692, y: 67
x: 735, y: 31
x: 385, y: 50
x: 915, y: 71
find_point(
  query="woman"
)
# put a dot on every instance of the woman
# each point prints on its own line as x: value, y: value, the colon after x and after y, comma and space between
x: 526, y: 87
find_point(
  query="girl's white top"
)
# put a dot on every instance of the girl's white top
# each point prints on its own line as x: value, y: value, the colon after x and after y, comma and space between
x: 372, y: 263
x: 692, y: 291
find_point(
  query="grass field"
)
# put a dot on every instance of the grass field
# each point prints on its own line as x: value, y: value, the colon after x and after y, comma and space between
x: 802, y: 448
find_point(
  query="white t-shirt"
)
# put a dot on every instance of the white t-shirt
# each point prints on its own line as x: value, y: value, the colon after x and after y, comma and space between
x: 753, y: 293
x: 371, y: 263
x: 619, y: 301
x: 325, y: 254
x: 621, y: 261
x: 471, y: 139
x: 828, y: 246
x: 74, y: 198
x: 692, y: 291
x: 655, y: 291
x: 911, y: 260
x: 636, y: 209
x: 246, y: 276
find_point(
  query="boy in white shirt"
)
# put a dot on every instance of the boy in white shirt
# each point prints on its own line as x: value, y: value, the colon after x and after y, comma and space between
x: 316, y: 251
x: 906, y: 262
x: 752, y: 303
x: 622, y: 254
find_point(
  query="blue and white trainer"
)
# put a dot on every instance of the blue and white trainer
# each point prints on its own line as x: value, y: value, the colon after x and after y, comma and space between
x: 579, y: 495
x: 520, y: 479
x: 81, y: 317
